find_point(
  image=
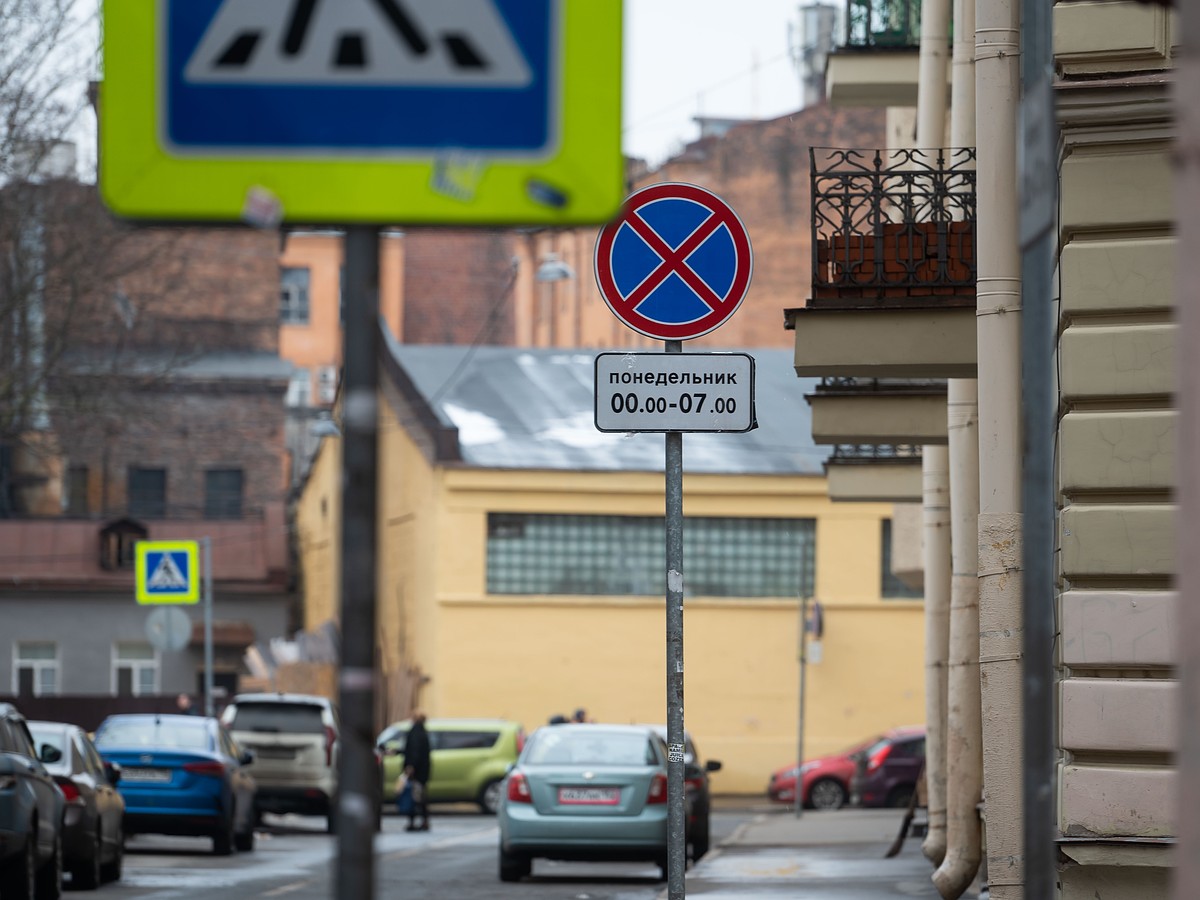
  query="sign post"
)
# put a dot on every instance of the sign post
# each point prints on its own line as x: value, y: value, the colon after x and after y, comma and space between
x: 674, y: 265
x: 366, y: 113
x: 168, y: 572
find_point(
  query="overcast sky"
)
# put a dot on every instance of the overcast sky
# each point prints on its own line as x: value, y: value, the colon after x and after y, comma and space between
x: 703, y: 57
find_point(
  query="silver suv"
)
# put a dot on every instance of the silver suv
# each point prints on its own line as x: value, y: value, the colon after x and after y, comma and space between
x: 295, y: 742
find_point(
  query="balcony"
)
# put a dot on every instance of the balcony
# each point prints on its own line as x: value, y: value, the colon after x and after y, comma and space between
x: 874, y: 473
x: 893, y: 234
x: 877, y: 61
x: 856, y: 411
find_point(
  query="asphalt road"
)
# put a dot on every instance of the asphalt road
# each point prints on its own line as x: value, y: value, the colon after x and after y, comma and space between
x: 294, y: 859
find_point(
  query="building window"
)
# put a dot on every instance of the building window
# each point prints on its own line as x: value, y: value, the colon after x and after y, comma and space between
x: 135, y: 670
x: 327, y: 382
x: 299, y: 389
x: 77, y: 491
x: 147, y: 492
x: 893, y: 588
x: 35, y: 669
x: 223, y: 494
x: 626, y: 555
x: 293, y: 296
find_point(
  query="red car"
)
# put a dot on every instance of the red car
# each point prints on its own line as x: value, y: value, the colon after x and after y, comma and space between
x: 825, y: 780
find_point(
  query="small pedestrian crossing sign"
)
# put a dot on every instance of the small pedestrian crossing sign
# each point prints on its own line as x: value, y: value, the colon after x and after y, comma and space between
x: 167, y: 572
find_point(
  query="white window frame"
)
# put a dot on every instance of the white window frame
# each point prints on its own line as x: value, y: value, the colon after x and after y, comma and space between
x: 299, y: 389
x: 154, y: 663
x: 295, y: 298
x: 39, y: 666
x: 327, y: 382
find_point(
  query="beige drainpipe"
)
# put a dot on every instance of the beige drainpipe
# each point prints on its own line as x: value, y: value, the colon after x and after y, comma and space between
x: 964, y: 729
x: 997, y: 46
x: 935, y: 466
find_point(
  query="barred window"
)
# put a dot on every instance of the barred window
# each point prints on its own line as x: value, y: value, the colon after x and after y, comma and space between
x: 893, y: 588
x: 626, y: 555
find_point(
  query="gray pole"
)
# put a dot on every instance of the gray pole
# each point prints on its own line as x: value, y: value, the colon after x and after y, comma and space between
x: 676, y: 839
x: 1038, y: 172
x: 358, y: 774
x: 1187, y: 306
x: 208, y: 625
x: 800, y: 730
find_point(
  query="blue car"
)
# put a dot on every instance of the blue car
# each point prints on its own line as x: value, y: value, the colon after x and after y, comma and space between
x: 585, y: 792
x: 182, y: 775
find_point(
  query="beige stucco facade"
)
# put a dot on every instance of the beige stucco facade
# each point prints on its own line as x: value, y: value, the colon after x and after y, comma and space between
x: 447, y: 645
x: 1116, y: 460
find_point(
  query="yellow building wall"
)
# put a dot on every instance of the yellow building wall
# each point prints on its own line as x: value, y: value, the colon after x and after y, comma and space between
x: 453, y: 650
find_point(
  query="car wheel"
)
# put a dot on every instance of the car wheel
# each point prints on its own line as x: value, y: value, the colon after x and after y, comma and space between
x: 514, y: 866
x: 900, y: 795
x: 50, y: 875
x: 826, y: 793
x: 111, y: 870
x: 489, y: 797
x: 86, y: 874
x: 700, y: 840
x: 223, y: 839
x: 18, y: 878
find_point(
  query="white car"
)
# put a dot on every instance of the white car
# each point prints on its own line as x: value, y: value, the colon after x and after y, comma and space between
x: 295, y: 742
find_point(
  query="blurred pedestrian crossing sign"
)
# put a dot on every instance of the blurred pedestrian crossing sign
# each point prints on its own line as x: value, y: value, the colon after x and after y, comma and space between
x: 167, y: 572
x: 374, y: 111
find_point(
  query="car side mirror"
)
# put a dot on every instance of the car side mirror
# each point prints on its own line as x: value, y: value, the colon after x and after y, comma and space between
x: 49, y: 754
x: 713, y: 765
x: 246, y: 758
x: 113, y: 772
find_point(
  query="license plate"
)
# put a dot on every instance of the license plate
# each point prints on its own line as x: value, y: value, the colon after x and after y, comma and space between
x: 156, y: 775
x: 275, y: 752
x: 580, y: 796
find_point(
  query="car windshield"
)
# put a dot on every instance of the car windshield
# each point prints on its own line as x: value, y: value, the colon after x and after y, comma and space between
x: 284, y: 718
x: 590, y: 747
x: 175, y: 733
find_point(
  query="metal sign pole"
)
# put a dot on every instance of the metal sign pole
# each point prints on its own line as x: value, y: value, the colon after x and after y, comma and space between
x: 358, y: 773
x: 799, y: 799
x: 208, y: 627
x: 676, y: 838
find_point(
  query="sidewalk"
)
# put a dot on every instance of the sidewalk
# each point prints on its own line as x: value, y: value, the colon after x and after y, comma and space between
x: 820, y: 856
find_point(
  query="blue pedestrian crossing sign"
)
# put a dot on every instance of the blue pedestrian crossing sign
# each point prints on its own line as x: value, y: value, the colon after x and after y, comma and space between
x: 390, y: 111
x: 167, y: 572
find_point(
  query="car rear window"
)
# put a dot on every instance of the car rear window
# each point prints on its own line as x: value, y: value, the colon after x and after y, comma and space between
x: 178, y: 734
x: 278, y: 718
x: 591, y: 747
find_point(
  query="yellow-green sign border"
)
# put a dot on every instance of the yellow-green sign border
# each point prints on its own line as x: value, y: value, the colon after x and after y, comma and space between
x: 141, y: 575
x: 139, y: 179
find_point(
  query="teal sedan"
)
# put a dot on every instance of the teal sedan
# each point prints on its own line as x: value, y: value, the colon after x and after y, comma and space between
x: 585, y: 792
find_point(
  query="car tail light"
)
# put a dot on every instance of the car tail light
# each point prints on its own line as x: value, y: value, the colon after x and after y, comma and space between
x: 694, y: 784
x: 213, y: 769
x: 878, y: 758
x: 330, y: 740
x: 658, y: 789
x: 70, y: 789
x: 520, y: 740
x: 518, y: 789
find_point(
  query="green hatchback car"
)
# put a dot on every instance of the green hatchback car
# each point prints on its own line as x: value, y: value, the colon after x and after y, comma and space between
x: 470, y: 758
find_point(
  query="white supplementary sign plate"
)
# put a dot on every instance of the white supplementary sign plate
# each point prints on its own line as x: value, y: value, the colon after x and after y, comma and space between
x: 651, y: 392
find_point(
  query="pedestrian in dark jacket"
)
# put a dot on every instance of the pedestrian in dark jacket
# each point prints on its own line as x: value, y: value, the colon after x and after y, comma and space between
x: 418, y: 766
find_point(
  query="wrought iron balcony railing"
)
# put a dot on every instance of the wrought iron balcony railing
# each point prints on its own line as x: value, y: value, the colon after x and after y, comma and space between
x: 866, y: 454
x: 892, y: 226
x: 878, y: 24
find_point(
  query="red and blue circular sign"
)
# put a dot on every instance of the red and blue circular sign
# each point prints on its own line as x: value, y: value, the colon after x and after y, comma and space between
x: 675, y: 264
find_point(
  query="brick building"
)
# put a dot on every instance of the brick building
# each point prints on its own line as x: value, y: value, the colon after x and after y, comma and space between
x: 160, y: 416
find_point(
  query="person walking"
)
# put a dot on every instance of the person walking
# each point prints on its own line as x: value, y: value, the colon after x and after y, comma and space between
x: 418, y: 766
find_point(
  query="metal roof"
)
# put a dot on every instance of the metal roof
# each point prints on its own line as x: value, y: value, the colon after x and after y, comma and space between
x: 517, y: 408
